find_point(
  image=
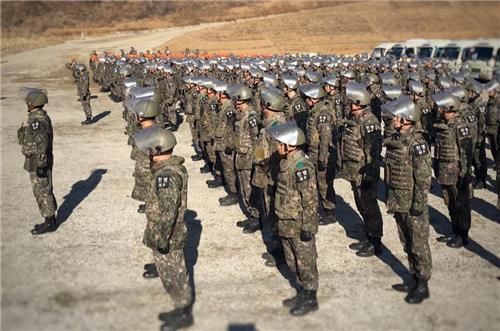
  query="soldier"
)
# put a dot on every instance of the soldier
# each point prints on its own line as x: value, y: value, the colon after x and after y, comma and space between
x: 36, y: 141
x: 321, y: 131
x: 417, y: 91
x: 246, y: 130
x: 146, y: 112
x: 297, y: 108
x: 408, y: 179
x: 84, y: 93
x: 296, y: 206
x: 361, y: 148
x: 166, y: 229
x: 490, y: 113
x: 454, y: 157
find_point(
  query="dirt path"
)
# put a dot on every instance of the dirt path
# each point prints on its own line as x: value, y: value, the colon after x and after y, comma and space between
x: 87, y: 275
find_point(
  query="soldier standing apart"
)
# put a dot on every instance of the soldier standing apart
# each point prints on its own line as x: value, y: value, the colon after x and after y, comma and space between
x: 296, y: 205
x: 454, y: 158
x: 36, y: 141
x: 408, y: 179
x: 84, y: 93
x: 361, y: 148
x: 166, y: 231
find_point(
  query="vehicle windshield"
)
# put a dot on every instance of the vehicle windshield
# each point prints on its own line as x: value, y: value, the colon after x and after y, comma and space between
x: 480, y: 53
x: 378, y: 52
x: 450, y: 53
x: 396, y: 51
x: 410, y: 52
x: 424, y: 52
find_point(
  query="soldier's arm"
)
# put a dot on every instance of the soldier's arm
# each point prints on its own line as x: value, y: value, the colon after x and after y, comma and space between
x: 253, y: 126
x: 465, y: 150
x: 37, y: 141
x: 372, y: 148
x: 142, y: 167
x: 325, y: 137
x: 306, y: 185
x: 422, y: 173
x: 169, y: 193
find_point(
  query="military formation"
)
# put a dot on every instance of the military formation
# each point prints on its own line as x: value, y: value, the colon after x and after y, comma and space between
x: 275, y: 133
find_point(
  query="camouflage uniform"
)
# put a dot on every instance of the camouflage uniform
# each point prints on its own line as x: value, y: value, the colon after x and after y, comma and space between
x: 320, y: 133
x: 296, y: 204
x: 408, y: 180
x: 191, y: 97
x: 361, y: 148
x: 246, y: 130
x: 84, y: 93
x: 298, y: 109
x: 223, y: 144
x: 491, y: 123
x: 166, y: 231
x: 475, y: 117
x: 36, y: 141
x: 426, y: 119
x: 454, y: 156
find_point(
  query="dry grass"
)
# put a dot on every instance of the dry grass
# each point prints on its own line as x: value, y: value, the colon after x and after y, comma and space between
x: 29, y: 25
x: 348, y: 28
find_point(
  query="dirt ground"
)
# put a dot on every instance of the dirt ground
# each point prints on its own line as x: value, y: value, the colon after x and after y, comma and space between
x: 87, y: 275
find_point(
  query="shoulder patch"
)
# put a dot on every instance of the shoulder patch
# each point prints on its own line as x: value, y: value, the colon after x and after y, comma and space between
x: 420, y: 149
x: 337, y: 102
x: 322, y: 118
x: 252, y: 122
x: 300, y: 165
x: 214, y: 107
x: 482, y: 109
x: 370, y: 128
x: 463, y: 132
x: 302, y: 175
x: 162, y: 181
x: 425, y: 111
x: 230, y: 112
x: 471, y: 118
x: 297, y: 108
x: 35, y: 125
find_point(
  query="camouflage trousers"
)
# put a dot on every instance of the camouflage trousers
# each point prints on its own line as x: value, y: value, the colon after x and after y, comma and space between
x: 195, y: 137
x: 141, y: 188
x: 246, y: 188
x: 458, y: 203
x: 493, y: 139
x: 228, y: 173
x: 170, y: 115
x: 85, y: 100
x: 367, y: 205
x: 301, y: 258
x: 325, y: 185
x: 42, y: 190
x: 479, y: 159
x: 174, y: 276
x: 414, y: 235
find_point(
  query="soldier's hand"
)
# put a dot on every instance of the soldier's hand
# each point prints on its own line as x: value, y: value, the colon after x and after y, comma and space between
x: 228, y: 151
x: 415, y: 212
x: 321, y: 166
x: 41, y: 172
x: 463, y: 182
x: 366, y: 185
x: 163, y: 250
x: 305, y: 236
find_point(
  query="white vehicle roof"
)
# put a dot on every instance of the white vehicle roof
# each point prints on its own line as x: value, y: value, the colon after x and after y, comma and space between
x: 385, y: 45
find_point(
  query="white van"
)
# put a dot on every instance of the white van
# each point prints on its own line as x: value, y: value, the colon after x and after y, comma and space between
x: 483, y: 58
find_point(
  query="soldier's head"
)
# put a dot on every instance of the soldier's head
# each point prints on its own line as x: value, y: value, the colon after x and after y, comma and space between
x: 291, y: 83
x: 156, y: 142
x: 447, y: 104
x: 417, y: 89
x: 272, y: 101
x: 475, y: 88
x: 404, y: 113
x: 493, y: 87
x: 36, y: 99
x: 221, y: 88
x: 241, y: 94
x: 313, y: 93
x: 332, y: 84
x: 358, y: 96
x: 146, y: 112
x: 289, y: 136
x: 209, y: 84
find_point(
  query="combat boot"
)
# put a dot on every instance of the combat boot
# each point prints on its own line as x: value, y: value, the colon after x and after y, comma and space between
x: 372, y: 248
x: 87, y: 121
x: 229, y: 200
x: 177, y: 319
x: 418, y: 293
x: 205, y: 169
x: 307, y: 304
x: 150, y: 271
x: 216, y: 182
x: 244, y: 223
x: 406, y: 286
x: 445, y: 238
x: 49, y: 226
x: 141, y: 209
x: 359, y: 245
x: 197, y: 157
x: 457, y: 241
x: 329, y: 217
x: 480, y: 184
x: 252, y: 227
x: 293, y: 301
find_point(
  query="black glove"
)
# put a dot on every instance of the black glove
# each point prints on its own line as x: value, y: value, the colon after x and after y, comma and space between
x: 228, y: 151
x: 321, y: 166
x: 163, y: 250
x: 366, y: 185
x: 415, y: 212
x: 463, y: 182
x: 305, y: 236
x: 41, y: 172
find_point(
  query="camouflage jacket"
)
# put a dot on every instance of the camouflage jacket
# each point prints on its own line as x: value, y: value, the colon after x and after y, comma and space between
x: 320, y: 131
x: 246, y: 132
x: 224, y: 129
x: 36, y: 141
x: 166, y: 205
x: 296, y: 199
x: 453, y: 150
x: 83, y: 84
x: 297, y: 110
x: 491, y: 114
x: 361, y: 148
x: 209, y: 110
x: 408, y: 172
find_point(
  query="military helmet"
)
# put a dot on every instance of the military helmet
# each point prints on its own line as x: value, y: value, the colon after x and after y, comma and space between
x: 146, y: 108
x: 239, y: 92
x: 459, y: 92
x: 154, y: 140
x: 315, y: 91
x: 313, y: 76
x: 221, y: 86
x: 270, y: 79
x: 348, y: 74
x: 357, y: 93
x: 332, y: 80
x: 445, y: 82
x: 287, y: 133
x: 34, y: 97
x: 291, y: 81
x: 403, y: 107
x: 474, y: 85
x: 459, y: 77
x: 447, y: 101
x: 492, y: 86
x: 388, y: 78
x: 81, y: 67
x: 371, y: 79
x: 273, y: 99
x: 413, y: 76
x: 392, y: 91
x: 417, y: 87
